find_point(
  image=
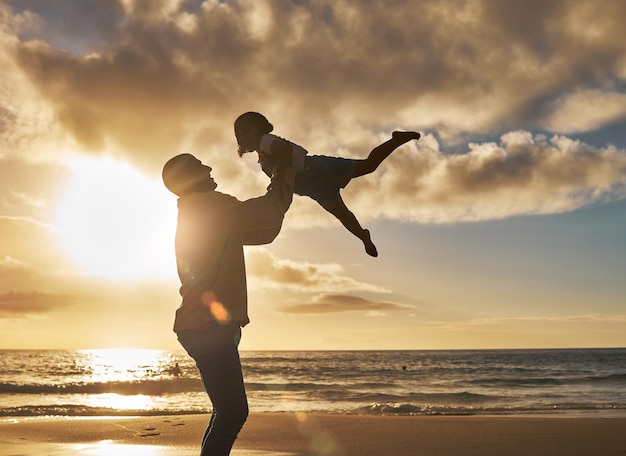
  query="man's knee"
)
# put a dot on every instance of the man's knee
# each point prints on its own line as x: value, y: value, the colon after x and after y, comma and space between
x: 234, y: 417
x: 242, y: 413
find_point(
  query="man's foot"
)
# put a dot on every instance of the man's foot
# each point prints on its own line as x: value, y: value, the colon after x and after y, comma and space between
x: 370, y: 248
x: 405, y: 136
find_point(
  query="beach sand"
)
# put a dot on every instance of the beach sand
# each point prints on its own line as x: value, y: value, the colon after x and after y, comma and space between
x: 317, y: 434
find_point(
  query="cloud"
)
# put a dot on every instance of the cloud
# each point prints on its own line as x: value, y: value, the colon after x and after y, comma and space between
x: 11, y: 269
x: 146, y: 80
x: 27, y: 123
x: 586, y: 110
x: 153, y: 76
x: 25, y: 303
x: 31, y: 242
x: 29, y: 188
x: 267, y: 271
x: 22, y: 199
x: 31, y: 258
x: 155, y: 79
x: 522, y: 174
x: 554, y: 322
x: 11, y: 264
x: 333, y: 303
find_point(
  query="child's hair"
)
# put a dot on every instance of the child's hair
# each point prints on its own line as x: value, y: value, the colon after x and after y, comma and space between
x: 256, y: 118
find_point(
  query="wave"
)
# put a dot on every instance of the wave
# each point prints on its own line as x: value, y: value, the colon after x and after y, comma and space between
x: 463, y: 397
x: 428, y: 409
x: 399, y: 408
x: 149, y: 388
x: 81, y: 410
x: 278, y: 387
x: 613, y: 378
x: 548, y: 381
x: 172, y: 386
x: 519, y: 382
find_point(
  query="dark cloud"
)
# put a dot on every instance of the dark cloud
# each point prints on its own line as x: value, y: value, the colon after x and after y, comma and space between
x: 342, y: 303
x: 162, y: 71
x: 25, y: 303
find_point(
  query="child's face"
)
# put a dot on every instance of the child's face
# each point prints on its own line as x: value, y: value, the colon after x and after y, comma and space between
x: 248, y: 136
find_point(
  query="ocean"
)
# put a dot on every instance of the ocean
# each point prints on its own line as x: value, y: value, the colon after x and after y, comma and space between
x: 572, y: 382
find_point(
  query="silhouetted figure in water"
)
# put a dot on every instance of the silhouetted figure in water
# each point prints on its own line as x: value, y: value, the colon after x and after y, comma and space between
x: 212, y: 229
x: 319, y: 177
x: 175, y: 371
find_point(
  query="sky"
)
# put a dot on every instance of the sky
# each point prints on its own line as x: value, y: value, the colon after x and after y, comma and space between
x: 504, y: 226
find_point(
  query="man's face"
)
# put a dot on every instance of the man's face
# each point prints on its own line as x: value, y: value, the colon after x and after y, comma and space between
x: 200, y: 175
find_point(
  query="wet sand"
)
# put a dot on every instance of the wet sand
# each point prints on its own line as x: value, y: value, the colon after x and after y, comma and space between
x: 317, y: 434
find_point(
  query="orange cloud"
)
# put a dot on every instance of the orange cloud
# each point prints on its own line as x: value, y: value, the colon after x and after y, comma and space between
x: 18, y: 304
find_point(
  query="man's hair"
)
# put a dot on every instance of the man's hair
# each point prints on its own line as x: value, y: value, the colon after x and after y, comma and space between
x: 176, y: 174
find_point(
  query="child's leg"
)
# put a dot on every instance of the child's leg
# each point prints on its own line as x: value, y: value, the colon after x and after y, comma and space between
x: 348, y: 219
x: 379, y: 153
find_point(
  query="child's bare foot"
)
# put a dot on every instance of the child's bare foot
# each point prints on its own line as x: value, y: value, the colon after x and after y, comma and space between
x: 405, y: 136
x: 370, y: 248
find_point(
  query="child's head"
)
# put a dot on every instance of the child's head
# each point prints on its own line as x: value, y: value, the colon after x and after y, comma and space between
x: 249, y: 127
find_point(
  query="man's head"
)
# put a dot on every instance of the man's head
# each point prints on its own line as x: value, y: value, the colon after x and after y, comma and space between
x: 185, y: 174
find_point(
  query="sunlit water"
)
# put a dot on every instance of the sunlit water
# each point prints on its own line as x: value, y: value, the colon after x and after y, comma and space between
x: 142, y: 382
x: 111, y: 448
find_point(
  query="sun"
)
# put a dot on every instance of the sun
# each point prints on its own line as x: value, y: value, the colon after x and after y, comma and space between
x: 116, y: 222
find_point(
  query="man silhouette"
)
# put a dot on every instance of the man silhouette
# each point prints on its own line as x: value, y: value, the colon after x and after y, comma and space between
x: 212, y: 229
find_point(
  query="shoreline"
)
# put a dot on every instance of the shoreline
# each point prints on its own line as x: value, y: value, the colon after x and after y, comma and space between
x: 300, y: 434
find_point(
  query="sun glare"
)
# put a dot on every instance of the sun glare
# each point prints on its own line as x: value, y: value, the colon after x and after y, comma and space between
x: 115, y: 222
x: 124, y: 364
x: 109, y: 447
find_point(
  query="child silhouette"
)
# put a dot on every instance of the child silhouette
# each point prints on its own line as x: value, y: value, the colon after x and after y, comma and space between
x: 319, y: 177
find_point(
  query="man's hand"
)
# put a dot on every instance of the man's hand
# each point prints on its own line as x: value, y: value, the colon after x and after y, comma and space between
x: 284, y: 174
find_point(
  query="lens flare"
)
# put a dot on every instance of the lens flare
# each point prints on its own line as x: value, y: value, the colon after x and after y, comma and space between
x: 217, y: 309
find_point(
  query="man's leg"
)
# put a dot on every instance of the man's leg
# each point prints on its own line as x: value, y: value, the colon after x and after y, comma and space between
x: 223, y: 381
